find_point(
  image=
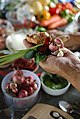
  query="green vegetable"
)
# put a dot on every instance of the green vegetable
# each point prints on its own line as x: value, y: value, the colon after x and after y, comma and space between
x: 64, y: 13
x: 54, y: 1
x: 39, y: 58
x: 18, y: 54
x: 41, y: 29
x: 30, y: 54
x: 67, y: 15
x: 48, y: 83
x: 71, y: 18
x: 54, y: 81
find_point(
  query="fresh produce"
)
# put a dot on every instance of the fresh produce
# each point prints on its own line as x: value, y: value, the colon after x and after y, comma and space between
x: 39, y: 51
x: 52, y: 4
x: 54, y: 11
x: 64, y: 12
x: 45, y: 2
x: 44, y: 15
x: 21, y: 86
x: 54, y: 81
x: 61, y: 7
x: 23, y: 63
x: 67, y: 15
x: 37, y: 7
x: 54, y: 18
x: 59, y: 23
x: 46, y: 8
x: 41, y: 29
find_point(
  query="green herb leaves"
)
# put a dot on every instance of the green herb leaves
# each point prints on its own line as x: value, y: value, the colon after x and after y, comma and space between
x: 27, y: 53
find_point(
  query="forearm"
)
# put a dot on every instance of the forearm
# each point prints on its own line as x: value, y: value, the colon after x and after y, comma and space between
x: 72, y: 74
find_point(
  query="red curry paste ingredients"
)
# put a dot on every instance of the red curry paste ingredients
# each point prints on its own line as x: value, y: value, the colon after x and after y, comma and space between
x: 23, y: 63
x: 21, y: 86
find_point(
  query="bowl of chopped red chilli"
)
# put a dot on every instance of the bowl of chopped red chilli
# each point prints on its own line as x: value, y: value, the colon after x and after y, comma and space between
x: 27, y: 64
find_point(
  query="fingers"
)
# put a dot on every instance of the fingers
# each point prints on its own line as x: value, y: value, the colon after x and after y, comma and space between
x: 51, y: 64
x: 56, y: 64
x: 27, y: 44
x: 67, y: 52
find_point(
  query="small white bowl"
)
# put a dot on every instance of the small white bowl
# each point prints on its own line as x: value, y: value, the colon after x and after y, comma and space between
x: 25, y: 102
x: 51, y: 91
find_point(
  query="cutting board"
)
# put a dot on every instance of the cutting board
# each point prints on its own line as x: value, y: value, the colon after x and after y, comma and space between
x: 43, y: 111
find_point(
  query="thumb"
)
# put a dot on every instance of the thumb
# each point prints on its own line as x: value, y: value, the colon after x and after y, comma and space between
x: 50, y: 64
x: 65, y: 50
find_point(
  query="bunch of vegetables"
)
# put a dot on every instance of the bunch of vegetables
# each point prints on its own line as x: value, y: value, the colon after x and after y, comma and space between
x: 51, y: 15
x: 49, y: 47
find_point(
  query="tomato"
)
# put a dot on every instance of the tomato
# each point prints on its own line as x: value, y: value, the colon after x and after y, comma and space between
x: 54, y: 10
x: 59, y: 5
x: 69, y: 6
x: 63, y: 7
x: 44, y: 15
x: 58, y: 10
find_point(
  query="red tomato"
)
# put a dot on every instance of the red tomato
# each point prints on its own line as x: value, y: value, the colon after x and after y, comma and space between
x: 54, y: 10
x: 59, y: 5
x: 58, y: 10
x: 63, y: 7
x: 68, y: 5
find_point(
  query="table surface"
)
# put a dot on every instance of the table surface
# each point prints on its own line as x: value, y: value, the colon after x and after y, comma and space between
x: 72, y: 96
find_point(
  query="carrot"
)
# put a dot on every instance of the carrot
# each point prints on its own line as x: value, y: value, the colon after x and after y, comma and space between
x: 54, y: 18
x: 59, y: 23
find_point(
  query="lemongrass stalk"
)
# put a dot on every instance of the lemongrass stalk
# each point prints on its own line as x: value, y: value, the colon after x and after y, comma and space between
x: 11, y: 57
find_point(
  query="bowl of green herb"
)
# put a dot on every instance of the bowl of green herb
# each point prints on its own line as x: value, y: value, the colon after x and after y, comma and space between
x: 54, y: 84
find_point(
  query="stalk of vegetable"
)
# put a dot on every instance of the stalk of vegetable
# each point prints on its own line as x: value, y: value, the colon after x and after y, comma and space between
x: 11, y: 57
x: 49, y: 47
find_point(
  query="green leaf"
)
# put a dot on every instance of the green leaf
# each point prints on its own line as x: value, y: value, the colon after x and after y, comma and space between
x: 11, y: 57
x: 30, y: 54
x: 41, y: 29
x: 39, y: 58
x: 71, y: 18
x: 18, y: 54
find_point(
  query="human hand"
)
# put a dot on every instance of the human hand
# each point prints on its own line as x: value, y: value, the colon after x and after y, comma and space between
x: 72, y: 43
x: 67, y: 66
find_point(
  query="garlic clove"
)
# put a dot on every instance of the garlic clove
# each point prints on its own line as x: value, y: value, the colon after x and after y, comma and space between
x: 60, y: 53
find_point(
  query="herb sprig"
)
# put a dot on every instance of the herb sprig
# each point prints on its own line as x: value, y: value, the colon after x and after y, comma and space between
x: 38, y: 52
x: 27, y: 53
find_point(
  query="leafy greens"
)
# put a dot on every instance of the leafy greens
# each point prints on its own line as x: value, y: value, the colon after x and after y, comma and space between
x: 27, y: 53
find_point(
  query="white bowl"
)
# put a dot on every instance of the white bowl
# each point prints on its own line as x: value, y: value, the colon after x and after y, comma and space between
x: 51, y: 91
x: 21, y: 103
